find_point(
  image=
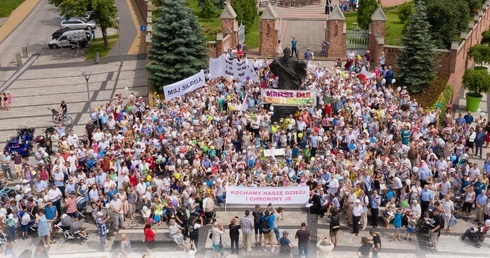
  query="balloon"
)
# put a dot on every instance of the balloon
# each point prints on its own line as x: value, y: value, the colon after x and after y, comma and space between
x: 404, y: 204
x: 129, y: 108
x: 3, y: 211
x: 415, y: 169
x: 398, y: 89
x: 145, y: 209
x: 248, y: 77
x: 179, y: 162
x: 384, y: 82
x: 17, y: 187
x: 133, y: 167
x: 438, y: 105
x: 18, y: 197
x: 210, y: 118
x: 393, y: 81
x: 453, y: 158
x: 147, y: 184
x: 175, y: 202
x: 148, y: 178
x: 194, y: 172
x: 300, y: 135
x: 151, y: 221
x: 272, y: 108
x: 156, y: 218
x: 46, y: 198
x: 177, y: 176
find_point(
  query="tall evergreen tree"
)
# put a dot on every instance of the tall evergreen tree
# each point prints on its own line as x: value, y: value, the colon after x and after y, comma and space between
x: 177, y: 48
x: 417, y: 61
x: 365, y: 11
x: 246, y: 11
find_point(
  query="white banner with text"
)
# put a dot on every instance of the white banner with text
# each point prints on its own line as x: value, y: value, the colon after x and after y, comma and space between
x: 223, y: 66
x: 180, y: 88
x: 266, y: 195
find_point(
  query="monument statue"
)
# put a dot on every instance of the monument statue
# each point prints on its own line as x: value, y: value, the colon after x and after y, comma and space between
x: 291, y: 72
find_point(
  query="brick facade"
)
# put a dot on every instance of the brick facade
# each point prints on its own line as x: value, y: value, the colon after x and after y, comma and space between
x: 269, y: 34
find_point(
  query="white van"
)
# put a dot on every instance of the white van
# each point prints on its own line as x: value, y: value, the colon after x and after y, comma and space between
x: 66, y: 37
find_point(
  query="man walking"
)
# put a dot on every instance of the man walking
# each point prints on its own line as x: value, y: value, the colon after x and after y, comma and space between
x: 247, y: 224
x: 6, y: 159
x: 303, y: 236
x: 376, y: 243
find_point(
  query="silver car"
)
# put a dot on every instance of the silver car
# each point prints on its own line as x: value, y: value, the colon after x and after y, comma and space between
x: 77, y: 24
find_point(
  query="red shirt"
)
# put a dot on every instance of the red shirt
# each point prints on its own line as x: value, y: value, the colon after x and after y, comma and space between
x: 149, y: 235
x: 133, y: 180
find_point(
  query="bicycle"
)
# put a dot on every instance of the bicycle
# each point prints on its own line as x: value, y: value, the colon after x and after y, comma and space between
x: 62, y: 118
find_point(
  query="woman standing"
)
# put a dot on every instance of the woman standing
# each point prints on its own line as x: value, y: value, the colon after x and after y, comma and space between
x: 234, y: 235
x: 279, y: 51
x: 125, y: 245
x: 43, y: 228
x: 149, y: 238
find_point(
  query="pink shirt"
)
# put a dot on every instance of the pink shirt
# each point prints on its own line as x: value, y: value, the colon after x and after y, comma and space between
x: 71, y: 205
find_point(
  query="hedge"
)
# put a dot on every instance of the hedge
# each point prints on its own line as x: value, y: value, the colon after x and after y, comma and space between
x: 443, y: 101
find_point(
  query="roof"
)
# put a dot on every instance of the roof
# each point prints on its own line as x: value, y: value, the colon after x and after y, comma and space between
x: 269, y: 13
x: 378, y: 14
x: 336, y: 14
x: 228, y: 12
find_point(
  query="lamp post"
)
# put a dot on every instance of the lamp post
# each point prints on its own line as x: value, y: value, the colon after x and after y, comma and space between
x: 87, y: 74
x: 118, y: 19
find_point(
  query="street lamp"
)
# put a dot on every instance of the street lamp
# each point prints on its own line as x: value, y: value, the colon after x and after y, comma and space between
x: 87, y: 74
x: 118, y: 19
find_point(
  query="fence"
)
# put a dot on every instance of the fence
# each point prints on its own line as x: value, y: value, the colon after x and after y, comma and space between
x: 357, y: 39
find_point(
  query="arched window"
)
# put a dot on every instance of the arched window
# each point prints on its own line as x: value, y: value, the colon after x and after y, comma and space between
x: 336, y: 30
x: 268, y: 28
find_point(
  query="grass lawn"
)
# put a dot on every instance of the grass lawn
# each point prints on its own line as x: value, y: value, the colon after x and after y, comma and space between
x: 7, y: 6
x: 393, y: 25
x: 98, y: 46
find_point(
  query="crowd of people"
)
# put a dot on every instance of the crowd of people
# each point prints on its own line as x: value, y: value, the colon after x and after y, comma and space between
x: 365, y: 145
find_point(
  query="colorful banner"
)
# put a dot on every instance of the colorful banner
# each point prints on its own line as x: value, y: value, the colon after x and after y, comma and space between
x: 180, y: 88
x: 289, y: 97
x: 266, y: 195
x: 223, y: 66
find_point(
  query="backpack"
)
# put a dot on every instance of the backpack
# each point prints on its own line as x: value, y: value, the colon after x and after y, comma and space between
x: 334, y: 223
x: 265, y: 225
x: 257, y: 217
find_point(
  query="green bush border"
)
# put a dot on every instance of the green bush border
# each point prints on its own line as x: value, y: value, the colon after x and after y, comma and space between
x: 443, y: 99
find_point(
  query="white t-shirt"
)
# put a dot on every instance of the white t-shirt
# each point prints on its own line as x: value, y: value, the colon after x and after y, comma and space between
x: 216, y: 235
x: 116, y: 205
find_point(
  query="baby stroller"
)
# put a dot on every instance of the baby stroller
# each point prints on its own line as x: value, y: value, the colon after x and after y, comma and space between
x: 71, y: 229
x: 477, y: 234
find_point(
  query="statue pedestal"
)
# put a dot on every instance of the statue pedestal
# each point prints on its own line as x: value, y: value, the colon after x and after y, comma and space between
x: 283, y: 112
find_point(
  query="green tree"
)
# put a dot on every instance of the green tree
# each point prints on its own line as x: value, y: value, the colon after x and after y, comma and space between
x: 177, y: 48
x: 417, y: 62
x: 480, y: 54
x: 104, y: 12
x: 208, y: 10
x: 448, y: 19
x: 365, y: 11
x: 485, y: 37
x: 476, y: 82
x: 405, y: 11
x: 246, y: 11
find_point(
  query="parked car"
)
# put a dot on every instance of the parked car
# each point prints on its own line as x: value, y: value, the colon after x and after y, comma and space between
x: 86, y: 16
x: 77, y: 24
x: 60, y: 32
x: 67, y: 39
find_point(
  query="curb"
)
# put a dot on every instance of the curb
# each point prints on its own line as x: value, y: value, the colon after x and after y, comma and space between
x: 18, y: 24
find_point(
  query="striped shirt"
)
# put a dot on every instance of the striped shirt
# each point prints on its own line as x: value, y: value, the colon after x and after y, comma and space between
x: 247, y: 224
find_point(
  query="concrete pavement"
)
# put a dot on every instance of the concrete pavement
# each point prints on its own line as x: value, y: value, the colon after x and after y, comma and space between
x: 16, y: 18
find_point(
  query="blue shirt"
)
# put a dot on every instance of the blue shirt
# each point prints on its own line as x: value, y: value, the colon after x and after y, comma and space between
x: 374, y: 201
x: 468, y: 119
x: 426, y: 195
x: 397, y: 221
x: 50, y: 212
x: 481, y: 199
